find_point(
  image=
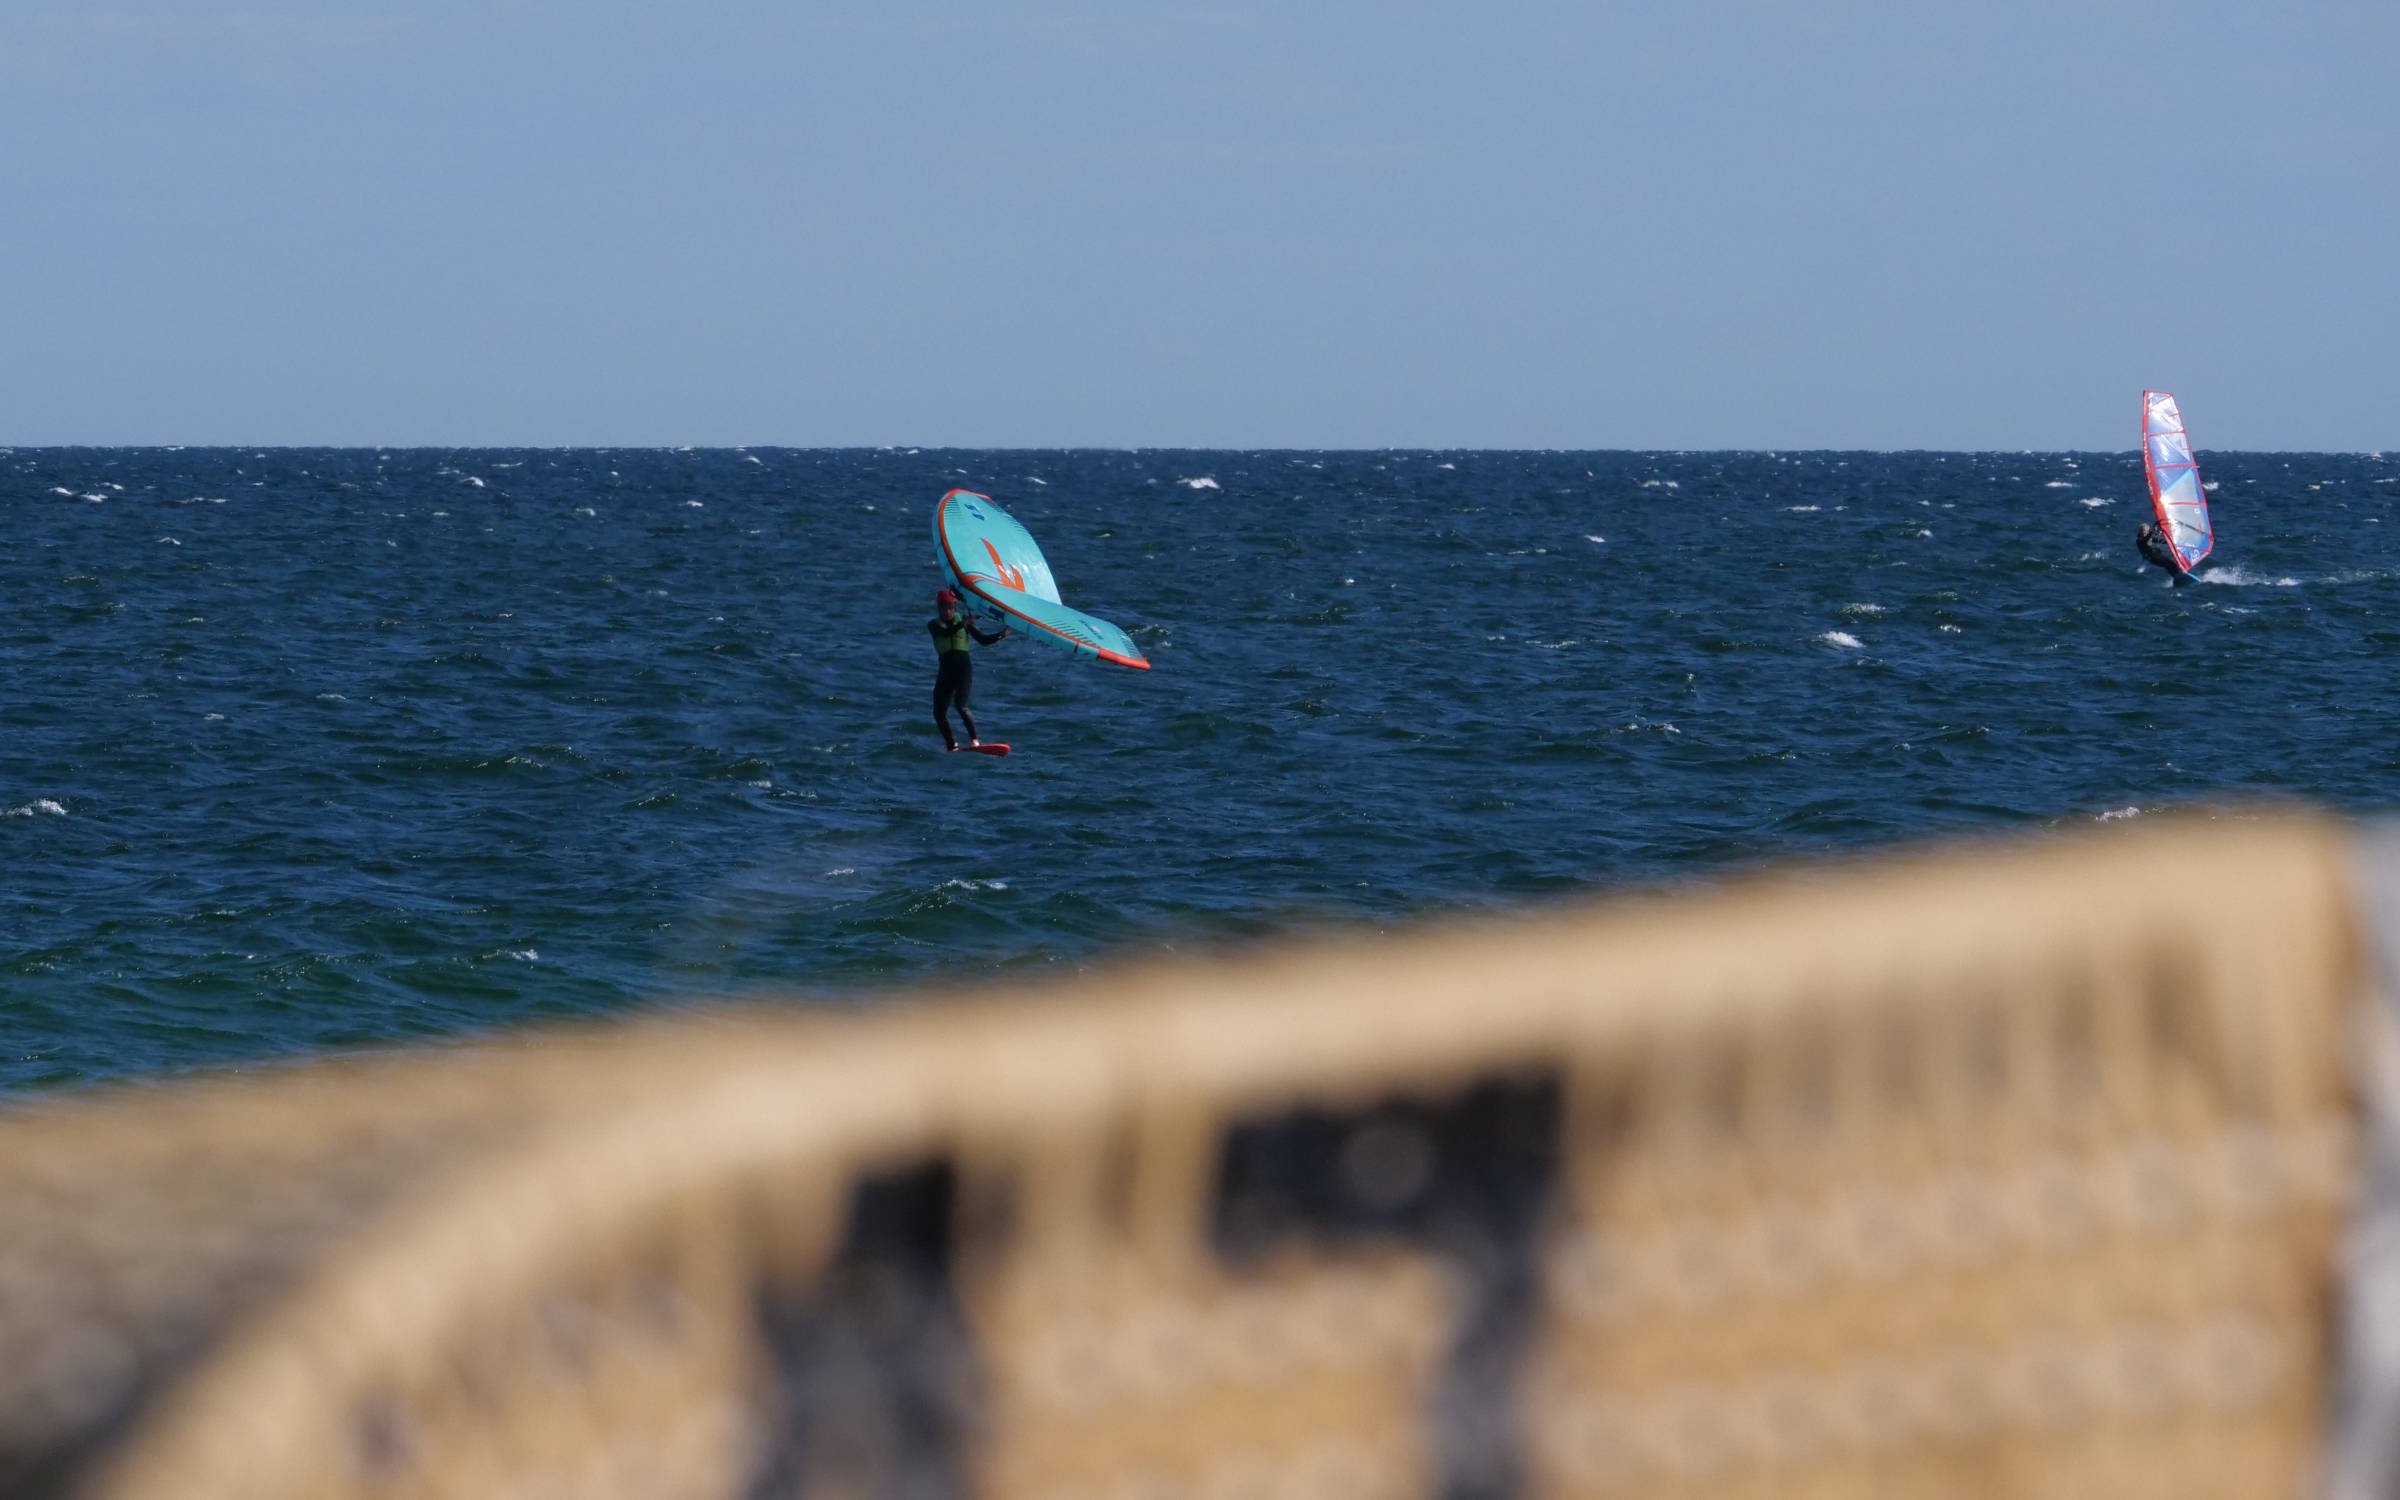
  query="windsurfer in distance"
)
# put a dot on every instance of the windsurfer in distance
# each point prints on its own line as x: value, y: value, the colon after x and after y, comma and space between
x: 2153, y: 543
x: 955, y: 677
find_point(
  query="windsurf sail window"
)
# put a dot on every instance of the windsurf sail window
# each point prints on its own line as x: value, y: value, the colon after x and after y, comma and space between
x: 991, y: 559
x: 2174, y: 476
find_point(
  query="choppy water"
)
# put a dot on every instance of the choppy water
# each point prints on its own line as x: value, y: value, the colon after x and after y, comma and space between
x: 313, y: 749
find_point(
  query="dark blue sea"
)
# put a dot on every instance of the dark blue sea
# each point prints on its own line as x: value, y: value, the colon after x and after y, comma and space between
x: 312, y: 750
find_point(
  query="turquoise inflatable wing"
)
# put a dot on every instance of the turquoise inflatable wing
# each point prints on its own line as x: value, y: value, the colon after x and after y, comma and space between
x: 991, y: 559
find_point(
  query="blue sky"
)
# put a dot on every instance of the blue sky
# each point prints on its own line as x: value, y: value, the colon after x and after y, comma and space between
x: 1234, y: 224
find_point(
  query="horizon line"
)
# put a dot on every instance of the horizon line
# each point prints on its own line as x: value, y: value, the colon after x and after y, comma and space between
x: 916, y: 448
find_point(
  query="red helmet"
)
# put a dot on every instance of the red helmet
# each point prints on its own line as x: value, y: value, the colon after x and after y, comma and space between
x: 946, y: 596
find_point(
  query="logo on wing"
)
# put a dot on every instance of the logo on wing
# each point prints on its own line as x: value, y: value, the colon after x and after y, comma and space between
x: 1013, y: 577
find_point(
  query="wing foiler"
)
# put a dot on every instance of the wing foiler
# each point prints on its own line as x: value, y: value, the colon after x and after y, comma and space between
x: 992, y: 560
x: 2174, y: 477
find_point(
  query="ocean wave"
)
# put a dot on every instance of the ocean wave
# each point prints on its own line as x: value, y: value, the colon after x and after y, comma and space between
x: 2241, y: 578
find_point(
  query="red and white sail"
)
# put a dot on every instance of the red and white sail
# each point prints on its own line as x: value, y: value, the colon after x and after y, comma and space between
x: 2174, y: 477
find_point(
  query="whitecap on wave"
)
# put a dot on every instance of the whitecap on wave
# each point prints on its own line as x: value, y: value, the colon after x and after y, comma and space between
x: 1202, y: 483
x: 2094, y: 501
x: 2116, y: 814
x: 1841, y: 638
x: 2237, y: 578
x: 1860, y: 611
x: 42, y: 806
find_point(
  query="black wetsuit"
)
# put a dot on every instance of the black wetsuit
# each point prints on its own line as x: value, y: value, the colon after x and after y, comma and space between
x: 954, y: 679
x: 2156, y: 551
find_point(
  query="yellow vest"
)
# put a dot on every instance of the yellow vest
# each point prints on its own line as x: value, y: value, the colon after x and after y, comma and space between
x: 954, y: 639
